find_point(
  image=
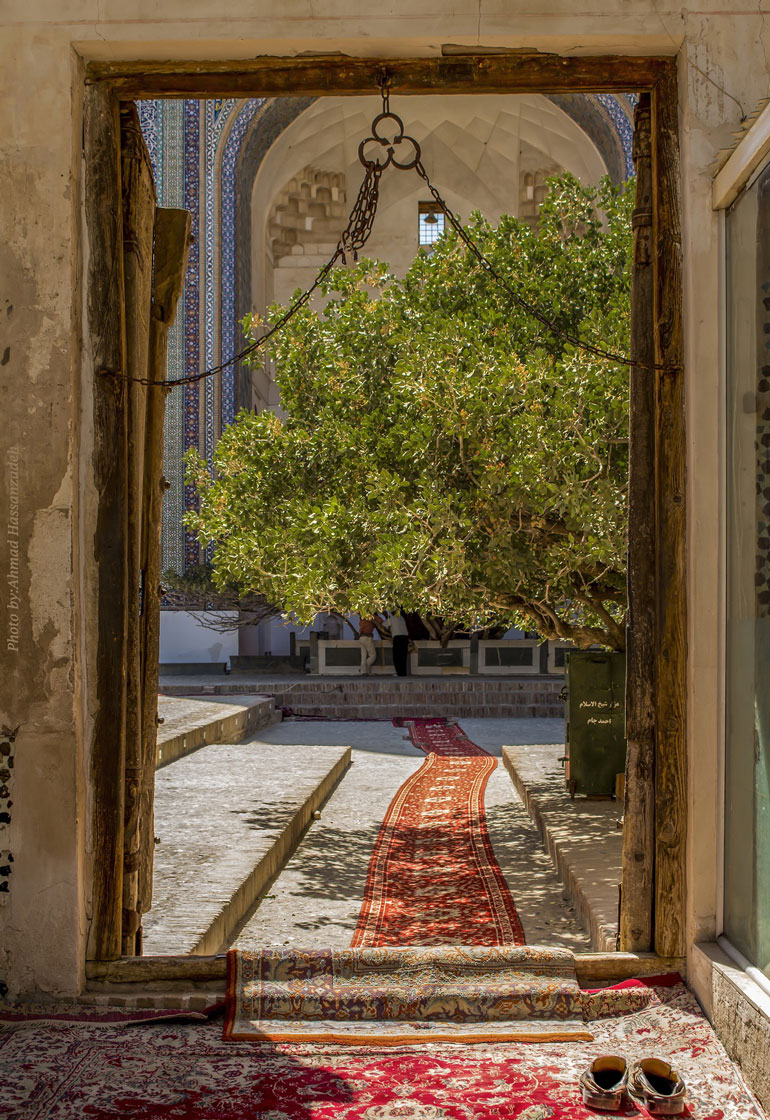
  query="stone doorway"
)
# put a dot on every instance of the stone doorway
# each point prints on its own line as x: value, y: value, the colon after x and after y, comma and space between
x: 657, y: 767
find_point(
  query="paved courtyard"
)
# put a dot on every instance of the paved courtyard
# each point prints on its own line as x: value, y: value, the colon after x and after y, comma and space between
x: 317, y: 897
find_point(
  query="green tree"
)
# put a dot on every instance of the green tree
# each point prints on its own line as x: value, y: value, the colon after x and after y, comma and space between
x: 441, y: 449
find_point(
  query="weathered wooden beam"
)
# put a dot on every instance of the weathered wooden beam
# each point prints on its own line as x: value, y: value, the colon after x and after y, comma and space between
x: 105, y: 350
x: 609, y: 968
x: 342, y: 75
x: 139, y: 201
x: 172, y: 245
x: 143, y: 970
x: 636, y: 914
x: 599, y: 967
x: 671, y: 659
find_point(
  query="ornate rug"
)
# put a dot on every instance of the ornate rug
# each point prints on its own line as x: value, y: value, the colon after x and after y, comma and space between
x: 175, y: 1071
x: 391, y: 996
x: 433, y: 878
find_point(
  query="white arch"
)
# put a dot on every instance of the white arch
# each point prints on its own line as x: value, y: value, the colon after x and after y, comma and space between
x: 474, y: 148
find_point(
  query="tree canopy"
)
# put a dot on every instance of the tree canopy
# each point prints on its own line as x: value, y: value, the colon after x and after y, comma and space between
x: 440, y: 449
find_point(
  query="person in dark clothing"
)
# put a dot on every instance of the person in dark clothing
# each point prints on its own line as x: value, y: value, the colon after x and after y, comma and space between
x: 400, y: 636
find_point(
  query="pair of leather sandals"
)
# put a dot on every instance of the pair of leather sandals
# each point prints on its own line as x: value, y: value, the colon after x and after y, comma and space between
x: 652, y: 1082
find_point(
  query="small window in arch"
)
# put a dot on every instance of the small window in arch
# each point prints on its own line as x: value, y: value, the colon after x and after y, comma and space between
x: 430, y: 224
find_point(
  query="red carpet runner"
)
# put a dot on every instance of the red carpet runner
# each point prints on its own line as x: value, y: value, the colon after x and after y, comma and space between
x: 433, y: 877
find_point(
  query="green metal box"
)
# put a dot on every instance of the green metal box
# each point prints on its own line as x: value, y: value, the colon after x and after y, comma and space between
x: 596, y: 721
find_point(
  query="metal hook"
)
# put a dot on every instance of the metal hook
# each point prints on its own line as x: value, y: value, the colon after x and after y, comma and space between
x: 384, y: 79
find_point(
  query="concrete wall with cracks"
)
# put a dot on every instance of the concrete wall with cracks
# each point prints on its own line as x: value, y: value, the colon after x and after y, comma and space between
x: 45, y: 378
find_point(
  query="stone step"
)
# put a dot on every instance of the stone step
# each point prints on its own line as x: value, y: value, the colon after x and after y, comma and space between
x: 384, y: 698
x: 228, y: 817
x: 581, y: 836
x: 189, y: 725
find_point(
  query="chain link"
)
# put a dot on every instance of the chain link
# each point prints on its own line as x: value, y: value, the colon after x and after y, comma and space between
x: 354, y: 237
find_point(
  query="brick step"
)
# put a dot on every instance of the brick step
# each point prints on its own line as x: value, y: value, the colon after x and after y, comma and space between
x: 386, y: 698
x: 428, y: 711
x: 267, y: 686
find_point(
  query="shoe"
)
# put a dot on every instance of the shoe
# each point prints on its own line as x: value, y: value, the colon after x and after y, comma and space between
x: 604, y: 1082
x: 657, y: 1086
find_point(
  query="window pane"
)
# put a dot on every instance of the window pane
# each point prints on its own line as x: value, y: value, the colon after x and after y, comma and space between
x: 430, y: 224
x: 747, y: 809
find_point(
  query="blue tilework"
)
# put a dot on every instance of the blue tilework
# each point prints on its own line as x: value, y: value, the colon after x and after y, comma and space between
x: 232, y: 337
x: 621, y: 116
x: 192, y: 349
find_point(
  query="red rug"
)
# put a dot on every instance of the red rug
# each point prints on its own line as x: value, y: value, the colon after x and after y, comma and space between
x: 436, y: 736
x: 433, y: 877
x: 177, y: 1071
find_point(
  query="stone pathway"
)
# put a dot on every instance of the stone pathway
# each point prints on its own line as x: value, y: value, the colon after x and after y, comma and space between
x: 317, y: 897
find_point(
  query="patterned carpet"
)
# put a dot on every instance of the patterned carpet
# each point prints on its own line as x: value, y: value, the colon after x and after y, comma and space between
x: 180, y: 1071
x: 433, y: 877
x: 397, y: 995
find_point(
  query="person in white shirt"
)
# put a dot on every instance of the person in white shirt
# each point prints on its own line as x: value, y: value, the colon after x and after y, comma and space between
x: 400, y: 636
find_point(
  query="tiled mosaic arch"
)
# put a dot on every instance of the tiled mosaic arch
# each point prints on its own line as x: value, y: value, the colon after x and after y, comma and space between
x: 206, y: 155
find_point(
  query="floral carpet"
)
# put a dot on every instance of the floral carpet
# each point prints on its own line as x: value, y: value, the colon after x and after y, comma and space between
x: 395, y: 995
x: 433, y: 878
x: 185, y: 1071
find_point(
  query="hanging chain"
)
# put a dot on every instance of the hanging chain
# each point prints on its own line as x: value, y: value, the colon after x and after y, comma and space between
x: 354, y: 237
x: 381, y: 149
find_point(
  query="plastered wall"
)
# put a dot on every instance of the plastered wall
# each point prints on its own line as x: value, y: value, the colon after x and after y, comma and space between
x: 46, y: 685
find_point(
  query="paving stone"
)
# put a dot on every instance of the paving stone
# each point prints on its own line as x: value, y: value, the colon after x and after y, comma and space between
x: 227, y: 817
x: 582, y: 837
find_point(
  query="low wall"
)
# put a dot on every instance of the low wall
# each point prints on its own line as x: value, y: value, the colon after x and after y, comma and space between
x: 505, y: 657
x: 233, y: 726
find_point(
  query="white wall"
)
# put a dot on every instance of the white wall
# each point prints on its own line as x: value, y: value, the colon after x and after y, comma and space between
x: 183, y: 637
x: 274, y: 637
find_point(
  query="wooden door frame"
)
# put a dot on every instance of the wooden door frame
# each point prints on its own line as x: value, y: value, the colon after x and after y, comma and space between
x: 661, y: 612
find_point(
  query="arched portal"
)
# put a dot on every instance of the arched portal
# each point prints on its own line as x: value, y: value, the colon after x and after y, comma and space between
x: 491, y: 154
x: 227, y: 161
